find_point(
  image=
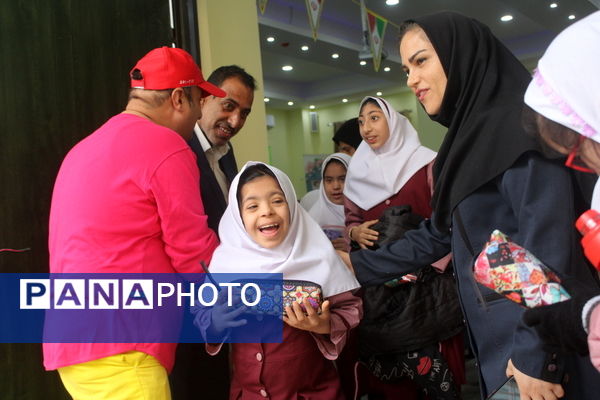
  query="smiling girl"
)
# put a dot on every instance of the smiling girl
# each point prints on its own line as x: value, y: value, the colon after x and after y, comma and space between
x: 264, y: 230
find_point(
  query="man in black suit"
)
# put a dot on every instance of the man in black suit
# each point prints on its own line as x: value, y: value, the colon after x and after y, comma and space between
x: 221, y: 120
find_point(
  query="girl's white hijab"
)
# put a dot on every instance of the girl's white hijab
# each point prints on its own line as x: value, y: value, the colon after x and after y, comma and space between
x: 566, y: 87
x: 304, y: 254
x: 376, y: 175
x: 324, y: 211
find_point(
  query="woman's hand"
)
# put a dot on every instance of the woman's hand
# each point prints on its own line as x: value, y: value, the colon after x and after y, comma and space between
x: 312, y: 321
x: 532, y: 388
x: 363, y: 235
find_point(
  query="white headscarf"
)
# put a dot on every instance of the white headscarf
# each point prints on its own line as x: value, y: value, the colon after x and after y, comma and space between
x: 304, y: 254
x: 565, y: 86
x: 376, y: 175
x: 324, y: 211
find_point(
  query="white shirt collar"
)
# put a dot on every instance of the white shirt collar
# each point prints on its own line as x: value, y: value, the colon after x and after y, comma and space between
x: 202, y: 138
x: 206, y: 145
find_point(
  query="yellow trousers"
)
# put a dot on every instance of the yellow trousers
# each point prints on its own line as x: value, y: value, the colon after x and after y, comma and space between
x: 128, y: 376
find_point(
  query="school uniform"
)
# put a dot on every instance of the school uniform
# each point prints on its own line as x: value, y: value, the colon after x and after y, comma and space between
x: 301, y: 366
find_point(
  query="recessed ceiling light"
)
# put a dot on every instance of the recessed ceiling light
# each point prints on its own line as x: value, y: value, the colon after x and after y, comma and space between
x: 378, y: 93
x: 335, y: 55
x: 572, y: 16
x: 344, y: 100
x: 363, y: 62
x: 506, y: 18
x: 553, y: 5
x: 267, y: 99
x: 392, y: 2
x: 312, y: 107
x: 387, y: 69
x: 290, y: 103
x: 287, y: 68
x: 304, y: 48
x: 270, y: 39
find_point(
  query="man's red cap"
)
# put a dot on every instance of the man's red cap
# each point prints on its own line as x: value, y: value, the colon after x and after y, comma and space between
x: 169, y: 68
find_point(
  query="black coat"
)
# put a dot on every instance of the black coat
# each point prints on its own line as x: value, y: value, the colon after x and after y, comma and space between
x: 212, y: 195
x: 191, y: 358
x: 532, y: 203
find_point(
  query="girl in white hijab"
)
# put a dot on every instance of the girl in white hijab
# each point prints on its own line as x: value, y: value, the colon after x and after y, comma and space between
x: 264, y: 230
x: 328, y: 211
x: 389, y: 168
x: 392, y: 168
x: 564, y: 101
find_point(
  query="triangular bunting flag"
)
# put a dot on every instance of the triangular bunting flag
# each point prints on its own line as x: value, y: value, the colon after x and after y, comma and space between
x: 377, y: 27
x: 314, y: 8
x: 262, y: 4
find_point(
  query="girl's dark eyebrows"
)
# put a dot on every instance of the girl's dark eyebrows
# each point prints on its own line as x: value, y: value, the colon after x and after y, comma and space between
x: 273, y: 193
x: 249, y: 198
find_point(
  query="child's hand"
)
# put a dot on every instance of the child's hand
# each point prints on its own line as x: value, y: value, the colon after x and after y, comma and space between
x: 223, y: 316
x: 313, y: 322
x: 346, y: 259
x: 339, y: 244
x: 533, y: 388
x: 363, y: 235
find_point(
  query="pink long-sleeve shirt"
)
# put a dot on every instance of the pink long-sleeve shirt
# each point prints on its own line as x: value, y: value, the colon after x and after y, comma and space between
x: 126, y: 199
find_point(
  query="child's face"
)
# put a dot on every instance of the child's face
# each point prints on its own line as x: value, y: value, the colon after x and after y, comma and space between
x: 265, y: 211
x: 373, y: 126
x: 333, y: 182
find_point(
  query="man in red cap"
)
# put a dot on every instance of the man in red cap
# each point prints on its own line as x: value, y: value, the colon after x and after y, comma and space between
x: 126, y: 199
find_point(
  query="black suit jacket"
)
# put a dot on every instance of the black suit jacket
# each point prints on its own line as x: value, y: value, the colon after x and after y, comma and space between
x: 212, y: 195
x: 192, y: 357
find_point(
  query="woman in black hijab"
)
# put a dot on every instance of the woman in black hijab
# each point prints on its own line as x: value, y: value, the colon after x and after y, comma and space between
x: 488, y: 175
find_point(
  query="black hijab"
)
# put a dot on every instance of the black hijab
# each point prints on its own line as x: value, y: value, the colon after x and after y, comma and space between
x: 481, y: 109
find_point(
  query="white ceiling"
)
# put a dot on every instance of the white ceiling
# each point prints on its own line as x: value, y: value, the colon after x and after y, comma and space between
x: 321, y: 80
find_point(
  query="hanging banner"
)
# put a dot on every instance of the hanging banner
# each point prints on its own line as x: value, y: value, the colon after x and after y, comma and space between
x: 314, y: 8
x: 262, y: 4
x: 377, y: 27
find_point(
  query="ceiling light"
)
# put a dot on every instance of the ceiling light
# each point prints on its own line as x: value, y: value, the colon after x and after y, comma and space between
x: 270, y: 39
x: 392, y: 2
x: 506, y: 18
x: 378, y: 93
x: 267, y: 99
x: 290, y: 103
x: 304, y: 48
x: 553, y: 5
x: 287, y: 68
x: 363, y: 62
x: 312, y: 107
x: 344, y: 100
x: 572, y: 16
x: 387, y: 69
x: 335, y: 55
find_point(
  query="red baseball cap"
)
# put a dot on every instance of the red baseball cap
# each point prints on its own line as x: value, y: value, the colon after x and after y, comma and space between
x: 169, y: 68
